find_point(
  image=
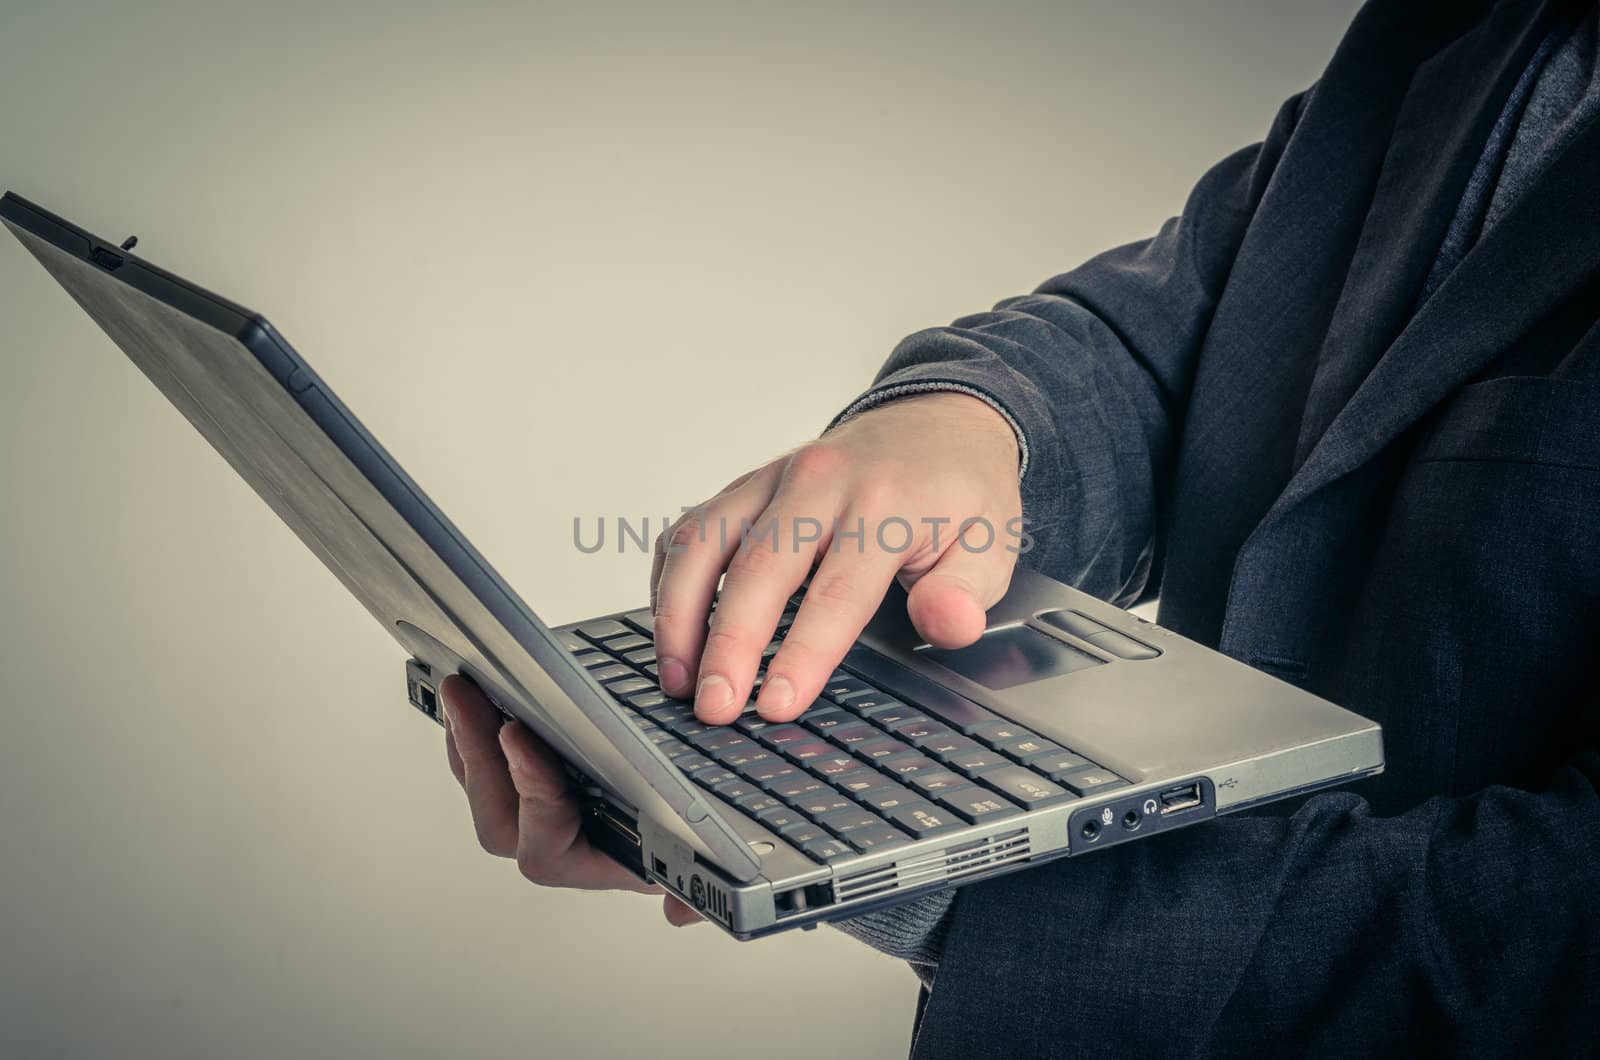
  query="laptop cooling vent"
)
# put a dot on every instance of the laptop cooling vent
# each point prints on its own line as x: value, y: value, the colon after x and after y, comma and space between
x: 952, y: 863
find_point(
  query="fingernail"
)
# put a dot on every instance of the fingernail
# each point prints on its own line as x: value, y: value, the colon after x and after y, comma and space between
x: 777, y: 695
x: 674, y: 674
x: 713, y: 697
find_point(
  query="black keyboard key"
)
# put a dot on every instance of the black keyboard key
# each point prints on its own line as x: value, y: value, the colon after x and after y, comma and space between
x: 710, y: 778
x: 876, y: 837
x: 825, y: 850
x: 660, y: 736
x: 976, y: 805
x: 859, y: 781
x: 745, y: 759
x: 922, y: 818
x: 818, y: 803
x: 613, y: 672
x: 820, y: 721
x: 688, y: 726
x: 752, y: 724
x: 867, y: 701
x: 805, y: 750
x: 1025, y: 787
x: 833, y: 766
x: 996, y: 733
x: 629, y: 686
x: 757, y: 804
x: 891, y: 797
x: 778, y: 817
x: 600, y: 629
x: 796, y: 787
x: 962, y: 715
x: 975, y: 763
x: 842, y: 685
x: 845, y: 821
x: 641, y: 657
x: 880, y: 750
x: 896, y: 718
x: 667, y: 713
x: 571, y: 641
x: 675, y: 749
x: 948, y: 745
x: 1092, y: 781
x: 642, y: 620
x: 769, y: 773
x: 851, y: 734
x: 1058, y: 764
x: 713, y: 740
x: 631, y: 642
x: 780, y: 736
x: 1029, y: 748
x: 803, y: 832
x: 934, y: 781
x: 591, y: 658
x: 693, y: 763
x: 910, y: 765
x: 917, y: 731
x: 737, y: 788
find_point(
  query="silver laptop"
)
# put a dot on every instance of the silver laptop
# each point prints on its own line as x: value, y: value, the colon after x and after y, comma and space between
x: 1070, y: 726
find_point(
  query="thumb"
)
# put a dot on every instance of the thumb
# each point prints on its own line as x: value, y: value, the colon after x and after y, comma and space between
x: 949, y: 603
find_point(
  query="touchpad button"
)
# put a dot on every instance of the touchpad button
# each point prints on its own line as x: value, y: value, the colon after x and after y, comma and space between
x: 1012, y: 655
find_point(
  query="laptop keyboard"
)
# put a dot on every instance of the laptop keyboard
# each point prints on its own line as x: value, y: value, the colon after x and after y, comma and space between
x: 860, y: 770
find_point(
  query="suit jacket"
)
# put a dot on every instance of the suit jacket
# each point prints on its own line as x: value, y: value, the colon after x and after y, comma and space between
x: 1395, y: 506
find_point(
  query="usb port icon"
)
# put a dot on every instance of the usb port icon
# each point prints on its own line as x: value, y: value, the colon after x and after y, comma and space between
x: 1183, y: 797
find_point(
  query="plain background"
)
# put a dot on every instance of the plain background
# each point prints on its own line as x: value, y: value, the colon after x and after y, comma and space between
x: 565, y: 262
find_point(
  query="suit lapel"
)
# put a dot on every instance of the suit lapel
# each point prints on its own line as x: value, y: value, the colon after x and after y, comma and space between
x: 1547, y: 243
x: 1446, y: 117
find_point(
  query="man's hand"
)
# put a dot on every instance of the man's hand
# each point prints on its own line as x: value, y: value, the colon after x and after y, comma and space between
x: 522, y: 805
x: 884, y: 495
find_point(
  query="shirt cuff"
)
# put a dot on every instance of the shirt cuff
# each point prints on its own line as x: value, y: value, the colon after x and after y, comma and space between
x: 912, y: 931
x: 874, y: 398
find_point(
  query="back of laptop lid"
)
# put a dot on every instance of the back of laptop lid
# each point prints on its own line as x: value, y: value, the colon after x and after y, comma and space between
x: 291, y: 439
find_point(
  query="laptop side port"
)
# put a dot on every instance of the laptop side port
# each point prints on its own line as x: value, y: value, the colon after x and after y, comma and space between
x: 1183, y: 797
x: 420, y: 690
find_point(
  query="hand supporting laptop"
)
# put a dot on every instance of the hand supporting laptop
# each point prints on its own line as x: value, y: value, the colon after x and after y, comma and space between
x: 932, y: 460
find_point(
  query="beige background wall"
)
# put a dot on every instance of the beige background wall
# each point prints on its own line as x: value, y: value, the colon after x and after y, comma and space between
x: 655, y: 244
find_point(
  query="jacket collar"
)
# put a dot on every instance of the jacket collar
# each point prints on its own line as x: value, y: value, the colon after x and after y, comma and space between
x: 1546, y: 244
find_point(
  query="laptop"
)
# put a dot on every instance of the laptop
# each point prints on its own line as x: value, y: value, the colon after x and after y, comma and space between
x: 1070, y: 726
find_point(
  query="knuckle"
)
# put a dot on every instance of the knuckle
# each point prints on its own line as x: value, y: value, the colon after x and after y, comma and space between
x: 686, y: 533
x: 817, y: 462
x: 536, y: 869
x: 492, y: 844
x: 837, y: 593
x: 878, y: 495
x: 754, y: 560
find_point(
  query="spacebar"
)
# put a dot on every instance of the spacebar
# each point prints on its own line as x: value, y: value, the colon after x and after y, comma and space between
x: 958, y: 712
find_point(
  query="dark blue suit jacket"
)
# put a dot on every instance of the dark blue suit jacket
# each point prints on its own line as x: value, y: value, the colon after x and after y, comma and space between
x: 1395, y: 507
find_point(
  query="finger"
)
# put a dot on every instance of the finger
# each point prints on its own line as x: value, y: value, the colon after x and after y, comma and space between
x: 551, y: 847
x: 695, y: 553
x: 457, y: 768
x: 844, y: 593
x: 679, y: 914
x: 658, y: 554
x: 949, y: 604
x: 769, y: 566
x: 475, y: 725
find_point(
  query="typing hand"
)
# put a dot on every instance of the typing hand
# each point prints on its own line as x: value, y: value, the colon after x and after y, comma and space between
x: 522, y: 805
x: 906, y: 475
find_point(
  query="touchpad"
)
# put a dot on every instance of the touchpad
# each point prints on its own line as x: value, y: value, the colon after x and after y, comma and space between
x: 1011, y: 655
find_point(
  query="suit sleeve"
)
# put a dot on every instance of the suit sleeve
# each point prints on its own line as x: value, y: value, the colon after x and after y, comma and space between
x: 1093, y: 370
x: 1465, y: 927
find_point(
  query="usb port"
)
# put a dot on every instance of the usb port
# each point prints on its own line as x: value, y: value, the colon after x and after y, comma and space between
x: 1183, y: 797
